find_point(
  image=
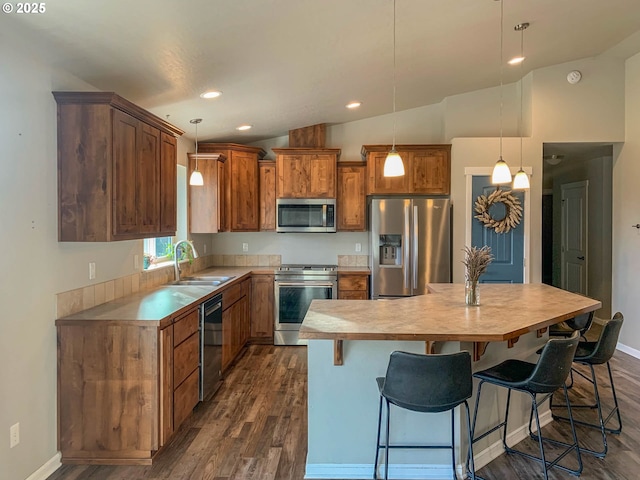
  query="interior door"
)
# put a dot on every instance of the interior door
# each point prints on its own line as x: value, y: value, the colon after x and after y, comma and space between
x: 574, y: 237
x: 507, y: 248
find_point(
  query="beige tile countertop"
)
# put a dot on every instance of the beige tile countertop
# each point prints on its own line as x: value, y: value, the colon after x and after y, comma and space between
x: 159, y: 305
x: 506, y: 312
x: 354, y: 270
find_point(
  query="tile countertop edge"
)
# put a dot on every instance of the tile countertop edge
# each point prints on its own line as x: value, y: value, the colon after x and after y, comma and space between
x: 112, y: 312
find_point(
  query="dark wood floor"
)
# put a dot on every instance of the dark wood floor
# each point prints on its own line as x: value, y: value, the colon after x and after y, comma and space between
x: 255, y: 428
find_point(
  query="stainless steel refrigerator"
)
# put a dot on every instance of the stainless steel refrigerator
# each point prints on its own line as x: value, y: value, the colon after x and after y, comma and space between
x: 410, y: 244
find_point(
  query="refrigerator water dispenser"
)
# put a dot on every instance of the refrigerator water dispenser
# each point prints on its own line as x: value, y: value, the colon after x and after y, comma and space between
x: 391, y: 250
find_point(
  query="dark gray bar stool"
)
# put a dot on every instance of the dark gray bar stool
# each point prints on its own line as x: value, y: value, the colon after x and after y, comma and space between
x: 580, y: 322
x: 425, y: 383
x: 544, y: 377
x: 599, y: 353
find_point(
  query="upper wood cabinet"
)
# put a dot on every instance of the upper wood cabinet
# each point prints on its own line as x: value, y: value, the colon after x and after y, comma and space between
x: 306, y: 172
x: 241, y: 189
x: 267, y: 183
x: 427, y: 170
x: 351, y: 201
x: 116, y: 169
x: 206, y: 203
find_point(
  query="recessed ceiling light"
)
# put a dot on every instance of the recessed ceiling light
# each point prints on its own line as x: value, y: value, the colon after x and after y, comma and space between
x: 353, y: 104
x: 244, y: 127
x: 516, y: 60
x: 211, y: 94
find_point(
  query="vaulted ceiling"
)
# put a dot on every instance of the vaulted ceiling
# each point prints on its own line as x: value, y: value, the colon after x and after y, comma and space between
x: 284, y: 64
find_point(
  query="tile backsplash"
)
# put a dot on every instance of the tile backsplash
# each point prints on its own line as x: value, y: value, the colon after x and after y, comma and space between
x: 353, y: 260
x: 73, y: 301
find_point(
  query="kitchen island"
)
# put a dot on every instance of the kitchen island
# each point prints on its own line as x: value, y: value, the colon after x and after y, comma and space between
x: 349, y: 346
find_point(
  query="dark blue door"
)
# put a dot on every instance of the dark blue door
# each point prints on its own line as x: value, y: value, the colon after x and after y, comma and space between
x: 507, y: 248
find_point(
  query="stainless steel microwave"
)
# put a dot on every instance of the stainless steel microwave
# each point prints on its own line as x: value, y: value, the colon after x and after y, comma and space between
x: 306, y: 215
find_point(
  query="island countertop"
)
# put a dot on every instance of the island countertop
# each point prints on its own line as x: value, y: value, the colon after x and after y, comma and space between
x: 506, y: 312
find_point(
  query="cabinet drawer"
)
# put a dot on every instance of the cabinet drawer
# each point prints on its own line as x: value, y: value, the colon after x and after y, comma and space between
x: 185, y: 398
x: 352, y: 295
x: 185, y: 326
x: 185, y: 358
x: 353, y: 282
x: 231, y: 295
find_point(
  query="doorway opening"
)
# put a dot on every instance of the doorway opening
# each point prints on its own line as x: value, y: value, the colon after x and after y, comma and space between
x: 577, y: 219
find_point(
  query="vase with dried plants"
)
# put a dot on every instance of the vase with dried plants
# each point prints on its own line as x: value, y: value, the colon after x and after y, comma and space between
x: 476, y: 260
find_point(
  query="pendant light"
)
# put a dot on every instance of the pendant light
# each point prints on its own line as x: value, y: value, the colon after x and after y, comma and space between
x: 393, y: 166
x: 196, y: 179
x: 521, y: 180
x: 501, y: 173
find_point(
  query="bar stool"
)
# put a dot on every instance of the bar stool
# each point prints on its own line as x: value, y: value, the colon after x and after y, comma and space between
x: 543, y: 377
x: 425, y: 383
x: 599, y: 353
x: 580, y: 322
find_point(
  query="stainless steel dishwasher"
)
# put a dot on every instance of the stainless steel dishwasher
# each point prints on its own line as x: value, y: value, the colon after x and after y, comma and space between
x: 210, y: 347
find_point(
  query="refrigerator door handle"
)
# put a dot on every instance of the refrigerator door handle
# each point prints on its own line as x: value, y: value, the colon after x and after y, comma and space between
x: 414, y: 245
x: 406, y: 252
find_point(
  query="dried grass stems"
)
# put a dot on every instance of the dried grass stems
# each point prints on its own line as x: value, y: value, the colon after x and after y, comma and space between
x: 476, y: 260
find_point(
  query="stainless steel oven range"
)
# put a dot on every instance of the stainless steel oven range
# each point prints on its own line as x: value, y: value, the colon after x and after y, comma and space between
x: 295, y: 287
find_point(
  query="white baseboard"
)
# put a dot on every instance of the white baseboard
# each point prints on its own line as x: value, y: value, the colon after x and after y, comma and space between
x: 47, y: 469
x: 628, y: 350
x: 418, y: 471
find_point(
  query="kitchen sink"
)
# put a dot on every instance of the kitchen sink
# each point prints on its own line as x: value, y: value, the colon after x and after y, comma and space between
x: 206, y: 280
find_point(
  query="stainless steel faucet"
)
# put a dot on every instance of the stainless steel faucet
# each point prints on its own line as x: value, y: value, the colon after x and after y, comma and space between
x: 177, y: 260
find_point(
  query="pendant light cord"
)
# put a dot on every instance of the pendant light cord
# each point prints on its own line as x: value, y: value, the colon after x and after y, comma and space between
x: 197, y: 145
x: 521, y: 88
x: 501, y: 67
x: 394, y: 75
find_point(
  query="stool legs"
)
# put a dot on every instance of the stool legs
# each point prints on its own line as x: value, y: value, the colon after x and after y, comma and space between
x: 602, y: 422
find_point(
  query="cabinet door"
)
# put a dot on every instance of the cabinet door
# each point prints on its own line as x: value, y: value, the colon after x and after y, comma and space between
x: 227, y: 337
x: 262, y: 306
x: 378, y: 183
x: 148, y: 180
x: 205, y: 201
x: 244, y: 208
x: 293, y: 176
x: 168, y: 184
x: 125, y: 153
x: 430, y: 172
x: 322, y: 176
x: 267, y: 196
x: 351, y: 199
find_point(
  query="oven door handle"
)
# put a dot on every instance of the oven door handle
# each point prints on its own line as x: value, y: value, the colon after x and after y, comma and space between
x: 304, y: 284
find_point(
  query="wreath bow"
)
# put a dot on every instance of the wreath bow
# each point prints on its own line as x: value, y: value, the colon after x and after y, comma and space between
x: 512, y: 206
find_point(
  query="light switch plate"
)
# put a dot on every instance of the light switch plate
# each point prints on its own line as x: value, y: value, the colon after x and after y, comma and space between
x: 92, y: 270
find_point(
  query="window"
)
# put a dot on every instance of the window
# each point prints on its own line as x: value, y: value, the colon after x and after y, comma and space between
x: 159, y: 247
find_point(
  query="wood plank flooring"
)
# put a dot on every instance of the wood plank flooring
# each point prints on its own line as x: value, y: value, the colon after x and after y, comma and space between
x: 256, y: 428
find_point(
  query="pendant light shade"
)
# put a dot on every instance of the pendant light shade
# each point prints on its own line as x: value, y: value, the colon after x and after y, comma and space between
x: 501, y: 172
x: 196, y: 179
x: 393, y: 165
x: 521, y: 180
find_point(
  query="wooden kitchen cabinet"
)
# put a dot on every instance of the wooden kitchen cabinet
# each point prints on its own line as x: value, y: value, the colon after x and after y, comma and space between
x: 353, y: 286
x: 427, y: 170
x: 267, y: 183
x: 241, y: 185
x: 262, y: 308
x: 351, y: 201
x: 140, y: 379
x: 206, y: 203
x: 236, y: 323
x: 116, y: 169
x: 306, y: 172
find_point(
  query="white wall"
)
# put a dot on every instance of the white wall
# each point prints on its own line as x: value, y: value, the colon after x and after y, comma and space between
x: 626, y: 199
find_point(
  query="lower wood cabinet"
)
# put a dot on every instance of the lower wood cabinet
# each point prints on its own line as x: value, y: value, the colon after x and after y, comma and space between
x: 124, y: 387
x: 353, y: 286
x: 262, y: 308
x: 236, y: 321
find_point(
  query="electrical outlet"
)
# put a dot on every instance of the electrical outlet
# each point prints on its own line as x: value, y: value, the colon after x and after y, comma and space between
x: 14, y: 435
x: 136, y: 261
x: 92, y: 270
x: 205, y: 248
x: 245, y: 247
x: 358, y: 247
